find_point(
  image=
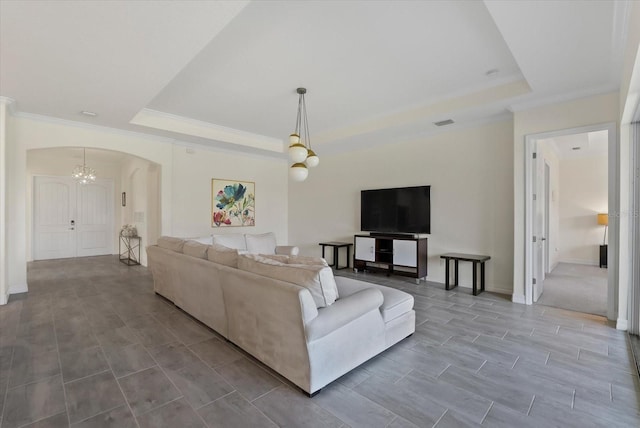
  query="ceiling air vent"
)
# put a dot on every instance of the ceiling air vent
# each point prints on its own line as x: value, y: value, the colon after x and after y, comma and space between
x: 443, y: 122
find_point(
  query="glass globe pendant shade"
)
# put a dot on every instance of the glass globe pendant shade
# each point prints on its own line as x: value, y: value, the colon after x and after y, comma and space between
x: 312, y: 159
x: 297, y: 153
x: 294, y: 139
x: 298, y: 172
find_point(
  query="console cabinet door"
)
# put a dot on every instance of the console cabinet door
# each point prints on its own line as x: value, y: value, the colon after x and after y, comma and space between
x: 365, y: 249
x: 405, y: 253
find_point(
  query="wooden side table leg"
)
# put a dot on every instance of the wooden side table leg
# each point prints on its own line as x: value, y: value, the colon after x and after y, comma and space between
x: 455, y: 278
x: 475, y: 278
x: 446, y: 275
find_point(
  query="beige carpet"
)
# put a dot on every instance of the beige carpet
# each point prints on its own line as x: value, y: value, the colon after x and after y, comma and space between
x: 577, y: 288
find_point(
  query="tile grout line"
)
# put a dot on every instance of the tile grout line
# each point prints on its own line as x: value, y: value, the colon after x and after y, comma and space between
x: 515, y: 362
x: 97, y: 414
x: 445, y: 369
x: 487, y: 412
x: 403, y: 376
x: 391, y: 421
x: 610, y: 391
x: 573, y: 399
x: 440, y: 418
x: 481, y: 366
x: 64, y: 389
x: 531, y: 405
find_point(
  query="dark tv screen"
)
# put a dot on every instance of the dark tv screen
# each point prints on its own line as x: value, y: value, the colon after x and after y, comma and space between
x: 399, y: 210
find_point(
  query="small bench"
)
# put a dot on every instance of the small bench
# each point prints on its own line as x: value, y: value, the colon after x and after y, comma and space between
x: 473, y: 258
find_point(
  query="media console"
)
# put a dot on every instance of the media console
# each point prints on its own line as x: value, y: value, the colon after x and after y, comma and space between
x: 393, y: 254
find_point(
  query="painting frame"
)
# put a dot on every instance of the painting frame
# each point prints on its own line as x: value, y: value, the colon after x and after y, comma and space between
x: 232, y: 203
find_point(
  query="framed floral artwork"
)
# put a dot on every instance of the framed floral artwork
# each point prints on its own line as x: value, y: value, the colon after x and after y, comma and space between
x: 233, y: 203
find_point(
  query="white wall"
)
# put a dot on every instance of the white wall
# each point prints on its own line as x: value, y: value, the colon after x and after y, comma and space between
x: 4, y: 291
x: 183, y: 175
x: 584, y: 183
x: 48, y: 162
x: 599, y: 109
x: 192, y: 191
x: 470, y: 175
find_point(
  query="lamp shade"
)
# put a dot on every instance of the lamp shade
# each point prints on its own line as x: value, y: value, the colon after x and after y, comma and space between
x: 603, y: 219
x: 312, y: 159
x: 298, y: 172
x: 297, y: 153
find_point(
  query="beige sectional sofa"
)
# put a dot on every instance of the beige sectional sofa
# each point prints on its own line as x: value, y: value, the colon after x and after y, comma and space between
x: 288, y: 312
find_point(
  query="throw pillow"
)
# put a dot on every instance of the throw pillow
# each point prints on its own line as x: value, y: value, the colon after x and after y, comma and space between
x: 223, y: 255
x: 317, y: 279
x: 171, y: 243
x: 195, y: 249
x: 261, y: 244
x: 231, y: 240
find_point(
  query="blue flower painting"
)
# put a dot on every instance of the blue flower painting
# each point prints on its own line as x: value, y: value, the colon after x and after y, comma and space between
x: 233, y: 203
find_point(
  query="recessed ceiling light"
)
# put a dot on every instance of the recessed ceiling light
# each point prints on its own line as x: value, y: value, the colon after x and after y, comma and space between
x: 89, y: 113
x: 493, y: 72
x: 575, y: 148
x: 443, y: 122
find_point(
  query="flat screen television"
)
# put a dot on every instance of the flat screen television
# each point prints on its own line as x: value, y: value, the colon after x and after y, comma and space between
x: 399, y: 210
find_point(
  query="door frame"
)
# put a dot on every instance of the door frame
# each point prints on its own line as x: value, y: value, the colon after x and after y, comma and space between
x: 547, y: 228
x: 530, y: 143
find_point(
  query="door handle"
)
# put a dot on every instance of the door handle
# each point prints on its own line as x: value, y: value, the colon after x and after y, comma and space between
x: 543, y: 239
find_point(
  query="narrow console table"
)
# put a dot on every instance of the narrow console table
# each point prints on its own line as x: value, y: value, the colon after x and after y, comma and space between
x: 129, y: 249
x: 336, y: 247
x: 473, y: 258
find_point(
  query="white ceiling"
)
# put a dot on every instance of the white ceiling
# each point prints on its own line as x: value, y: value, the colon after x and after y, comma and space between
x: 224, y: 73
x: 578, y: 146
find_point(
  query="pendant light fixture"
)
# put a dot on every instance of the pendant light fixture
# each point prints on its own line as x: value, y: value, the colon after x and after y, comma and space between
x: 82, y: 173
x: 300, y: 151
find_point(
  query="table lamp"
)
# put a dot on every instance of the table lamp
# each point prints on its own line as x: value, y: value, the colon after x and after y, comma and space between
x: 603, y: 219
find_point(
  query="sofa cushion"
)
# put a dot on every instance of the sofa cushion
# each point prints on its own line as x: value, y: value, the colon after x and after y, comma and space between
x: 317, y: 279
x: 307, y: 260
x: 195, y: 249
x: 277, y: 257
x: 264, y: 243
x: 224, y: 255
x: 171, y: 243
x: 207, y: 240
x: 231, y: 240
x: 396, y: 302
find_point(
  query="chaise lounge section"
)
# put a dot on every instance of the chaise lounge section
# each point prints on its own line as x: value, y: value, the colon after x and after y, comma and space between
x: 288, y: 312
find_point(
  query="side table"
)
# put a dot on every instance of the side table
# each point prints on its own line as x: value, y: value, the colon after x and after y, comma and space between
x: 336, y: 246
x: 129, y: 249
x: 473, y: 258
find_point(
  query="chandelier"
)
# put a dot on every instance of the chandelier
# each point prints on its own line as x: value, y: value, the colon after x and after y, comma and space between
x: 82, y: 173
x: 300, y: 151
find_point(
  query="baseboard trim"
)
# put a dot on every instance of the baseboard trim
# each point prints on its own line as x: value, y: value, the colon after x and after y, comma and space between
x: 518, y: 298
x: 499, y: 290
x: 18, y: 288
x: 581, y: 262
x: 622, y: 324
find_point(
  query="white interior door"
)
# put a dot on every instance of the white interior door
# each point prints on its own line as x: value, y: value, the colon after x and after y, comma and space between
x: 54, y: 218
x: 71, y: 219
x: 538, y: 228
x: 94, y: 228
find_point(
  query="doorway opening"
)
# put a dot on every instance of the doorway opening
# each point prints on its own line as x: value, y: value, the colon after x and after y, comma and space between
x: 66, y: 219
x: 570, y: 187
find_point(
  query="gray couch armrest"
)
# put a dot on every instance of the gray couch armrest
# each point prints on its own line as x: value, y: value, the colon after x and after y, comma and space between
x: 343, y: 311
x: 287, y: 250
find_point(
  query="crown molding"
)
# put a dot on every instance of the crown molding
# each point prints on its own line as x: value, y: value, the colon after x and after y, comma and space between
x: 568, y: 96
x: 9, y: 102
x: 90, y: 126
x: 210, y: 131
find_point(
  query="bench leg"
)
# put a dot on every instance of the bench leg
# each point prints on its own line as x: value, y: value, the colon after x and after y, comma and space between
x: 446, y: 275
x: 482, y: 276
x: 475, y: 278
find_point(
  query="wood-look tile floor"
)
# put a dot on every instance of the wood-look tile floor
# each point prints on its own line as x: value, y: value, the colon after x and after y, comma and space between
x: 91, y: 345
